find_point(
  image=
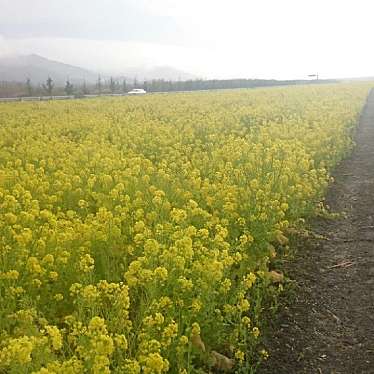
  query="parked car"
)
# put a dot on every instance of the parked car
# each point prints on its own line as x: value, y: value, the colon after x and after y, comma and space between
x: 137, y: 91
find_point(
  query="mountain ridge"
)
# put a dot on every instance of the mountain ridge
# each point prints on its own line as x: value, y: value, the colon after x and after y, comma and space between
x: 19, y: 68
x: 38, y: 68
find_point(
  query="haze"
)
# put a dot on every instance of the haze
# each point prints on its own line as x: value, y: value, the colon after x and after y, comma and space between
x: 286, y: 39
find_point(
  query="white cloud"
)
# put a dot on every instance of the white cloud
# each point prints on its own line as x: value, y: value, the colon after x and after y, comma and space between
x: 113, y: 56
x: 5, y: 47
x: 212, y: 38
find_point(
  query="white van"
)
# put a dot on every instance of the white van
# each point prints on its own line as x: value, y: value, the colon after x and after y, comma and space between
x: 137, y: 91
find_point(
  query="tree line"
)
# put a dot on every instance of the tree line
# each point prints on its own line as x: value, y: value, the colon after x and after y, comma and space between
x: 123, y: 85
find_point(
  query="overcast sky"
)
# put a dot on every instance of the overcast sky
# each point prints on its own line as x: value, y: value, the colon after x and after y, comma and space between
x: 210, y: 38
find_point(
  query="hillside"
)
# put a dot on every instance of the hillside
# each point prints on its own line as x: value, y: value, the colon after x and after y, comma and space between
x: 38, y: 68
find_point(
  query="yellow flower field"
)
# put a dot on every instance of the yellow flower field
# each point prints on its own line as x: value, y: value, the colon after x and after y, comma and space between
x: 137, y: 232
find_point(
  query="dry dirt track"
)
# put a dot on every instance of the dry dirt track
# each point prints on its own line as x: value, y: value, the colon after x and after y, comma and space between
x: 328, y: 328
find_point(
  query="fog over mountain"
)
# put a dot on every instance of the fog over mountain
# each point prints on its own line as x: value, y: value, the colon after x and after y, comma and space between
x: 20, y: 67
x: 159, y: 72
x: 286, y: 39
x: 38, y: 68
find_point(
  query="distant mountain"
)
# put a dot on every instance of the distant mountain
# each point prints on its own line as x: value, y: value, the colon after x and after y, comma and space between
x: 38, y: 68
x: 167, y: 73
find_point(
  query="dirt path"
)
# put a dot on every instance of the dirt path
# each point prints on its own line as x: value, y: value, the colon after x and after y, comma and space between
x: 329, y: 326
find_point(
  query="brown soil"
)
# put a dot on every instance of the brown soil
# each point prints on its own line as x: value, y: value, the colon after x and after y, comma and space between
x: 328, y: 325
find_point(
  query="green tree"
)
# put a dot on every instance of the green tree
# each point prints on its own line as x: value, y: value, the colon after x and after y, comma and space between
x: 112, y: 85
x: 99, y: 85
x: 48, y: 86
x: 29, y: 87
x: 69, y: 88
x: 124, y: 86
x: 85, y: 90
x: 146, y: 85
